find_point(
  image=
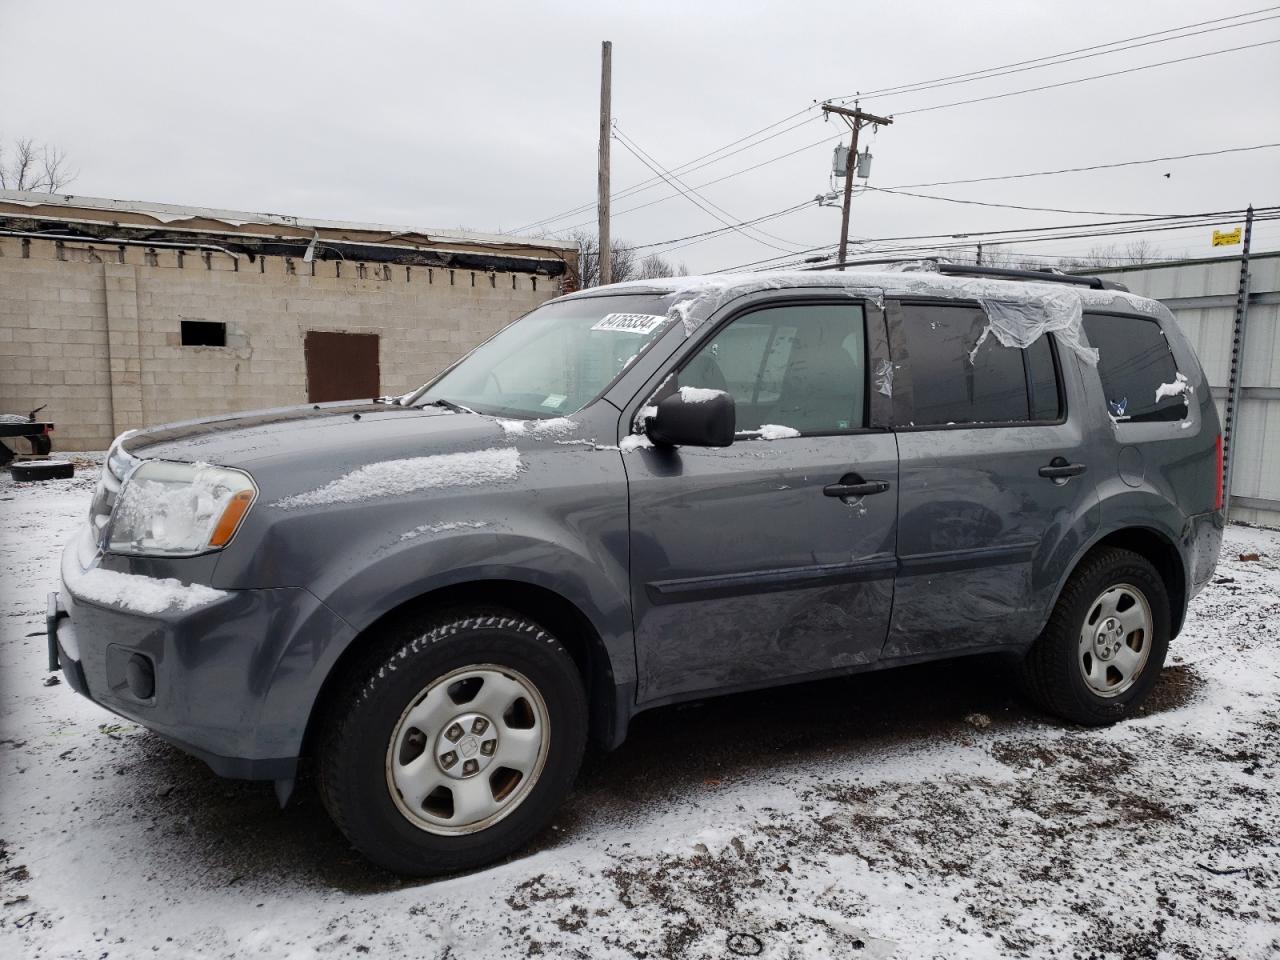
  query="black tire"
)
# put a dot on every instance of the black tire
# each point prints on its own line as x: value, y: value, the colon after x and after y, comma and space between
x: 366, y: 710
x: 1051, y: 673
x: 28, y: 470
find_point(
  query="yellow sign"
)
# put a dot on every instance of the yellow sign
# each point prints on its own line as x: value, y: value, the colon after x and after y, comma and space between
x: 1226, y: 238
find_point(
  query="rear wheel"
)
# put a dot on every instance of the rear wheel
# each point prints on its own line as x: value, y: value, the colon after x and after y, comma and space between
x: 1105, y: 644
x: 453, y: 742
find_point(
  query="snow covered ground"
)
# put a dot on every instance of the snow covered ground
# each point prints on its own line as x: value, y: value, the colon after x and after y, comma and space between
x: 916, y: 813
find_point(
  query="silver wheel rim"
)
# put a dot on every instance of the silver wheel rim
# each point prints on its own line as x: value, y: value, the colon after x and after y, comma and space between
x: 468, y: 749
x: 1115, y: 640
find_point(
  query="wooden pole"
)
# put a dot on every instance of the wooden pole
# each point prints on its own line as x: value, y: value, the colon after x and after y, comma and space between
x: 602, y: 202
x: 856, y: 119
x: 850, y: 167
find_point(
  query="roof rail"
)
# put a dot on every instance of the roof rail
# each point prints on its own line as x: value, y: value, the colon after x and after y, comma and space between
x: 1044, y: 275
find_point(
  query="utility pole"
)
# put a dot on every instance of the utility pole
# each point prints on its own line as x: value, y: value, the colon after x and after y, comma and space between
x: 602, y: 202
x: 856, y: 119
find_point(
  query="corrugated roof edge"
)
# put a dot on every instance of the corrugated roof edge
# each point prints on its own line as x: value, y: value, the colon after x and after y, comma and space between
x: 1171, y: 263
x: 166, y: 213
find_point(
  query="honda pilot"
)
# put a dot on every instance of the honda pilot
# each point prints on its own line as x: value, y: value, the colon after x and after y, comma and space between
x: 639, y: 495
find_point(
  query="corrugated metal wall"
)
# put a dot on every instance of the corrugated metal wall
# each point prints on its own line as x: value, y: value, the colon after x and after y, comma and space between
x: 1202, y: 296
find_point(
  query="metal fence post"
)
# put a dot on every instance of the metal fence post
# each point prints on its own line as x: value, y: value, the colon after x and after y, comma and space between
x: 1233, y: 384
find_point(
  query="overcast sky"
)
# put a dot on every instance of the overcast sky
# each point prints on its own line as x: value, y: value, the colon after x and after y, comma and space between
x: 485, y: 115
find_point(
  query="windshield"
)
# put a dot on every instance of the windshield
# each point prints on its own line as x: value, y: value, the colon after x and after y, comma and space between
x: 555, y: 360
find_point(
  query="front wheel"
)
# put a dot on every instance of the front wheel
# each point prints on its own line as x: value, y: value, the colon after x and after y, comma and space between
x: 453, y: 742
x: 1104, y: 646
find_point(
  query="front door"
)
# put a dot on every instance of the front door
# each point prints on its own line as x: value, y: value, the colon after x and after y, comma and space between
x: 772, y: 558
x: 997, y: 486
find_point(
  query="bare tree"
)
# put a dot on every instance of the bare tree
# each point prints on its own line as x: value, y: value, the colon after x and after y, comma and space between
x: 34, y: 167
x: 654, y: 266
x: 623, y: 259
x: 1114, y: 255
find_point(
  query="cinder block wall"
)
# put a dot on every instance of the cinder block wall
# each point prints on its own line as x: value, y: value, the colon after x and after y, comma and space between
x: 94, y: 331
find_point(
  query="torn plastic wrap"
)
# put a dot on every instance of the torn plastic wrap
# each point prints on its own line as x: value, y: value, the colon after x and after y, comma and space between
x: 1018, y: 314
x: 1021, y: 323
x: 884, y: 378
x: 697, y: 298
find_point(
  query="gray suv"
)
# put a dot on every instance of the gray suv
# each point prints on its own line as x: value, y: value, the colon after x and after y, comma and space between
x: 639, y: 495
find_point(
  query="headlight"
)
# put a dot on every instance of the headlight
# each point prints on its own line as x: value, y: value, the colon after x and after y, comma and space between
x: 179, y: 509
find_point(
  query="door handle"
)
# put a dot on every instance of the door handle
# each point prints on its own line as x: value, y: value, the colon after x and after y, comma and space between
x: 859, y: 488
x: 1059, y: 469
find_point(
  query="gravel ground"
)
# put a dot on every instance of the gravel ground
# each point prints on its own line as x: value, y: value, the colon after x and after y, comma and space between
x: 923, y: 812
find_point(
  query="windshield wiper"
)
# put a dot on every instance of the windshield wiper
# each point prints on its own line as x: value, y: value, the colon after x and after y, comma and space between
x: 448, y: 405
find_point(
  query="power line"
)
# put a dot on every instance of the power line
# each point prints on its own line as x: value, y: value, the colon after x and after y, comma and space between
x: 1058, y: 58
x: 947, y: 183
x: 1027, y: 234
x: 707, y: 234
x: 1099, y: 76
x: 687, y: 167
x: 920, y: 86
x: 1010, y: 206
x: 703, y: 203
x: 1096, y: 166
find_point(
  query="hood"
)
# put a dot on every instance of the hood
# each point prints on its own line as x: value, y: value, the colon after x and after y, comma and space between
x: 340, y: 429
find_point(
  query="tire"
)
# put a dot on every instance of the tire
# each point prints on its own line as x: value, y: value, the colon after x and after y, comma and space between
x: 397, y: 714
x: 1103, y: 675
x: 42, y: 470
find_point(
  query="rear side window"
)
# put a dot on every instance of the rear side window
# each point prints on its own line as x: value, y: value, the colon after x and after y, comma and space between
x: 955, y: 379
x: 1133, y: 361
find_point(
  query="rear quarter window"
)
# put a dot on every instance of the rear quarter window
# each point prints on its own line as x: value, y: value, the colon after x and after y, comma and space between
x: 1133, y: 361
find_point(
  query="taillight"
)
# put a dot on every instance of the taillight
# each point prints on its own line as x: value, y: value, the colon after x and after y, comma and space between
x: 1217, y: 457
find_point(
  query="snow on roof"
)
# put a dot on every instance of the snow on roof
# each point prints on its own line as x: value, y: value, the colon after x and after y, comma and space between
x: 167, y: 213
x: 1018, y: 311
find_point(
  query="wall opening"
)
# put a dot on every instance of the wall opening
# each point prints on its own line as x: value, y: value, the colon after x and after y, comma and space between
x: 204, y: 333
x: 341, y: 366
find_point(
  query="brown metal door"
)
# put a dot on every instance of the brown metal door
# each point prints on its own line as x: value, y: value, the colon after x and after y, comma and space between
x: 341, y: 366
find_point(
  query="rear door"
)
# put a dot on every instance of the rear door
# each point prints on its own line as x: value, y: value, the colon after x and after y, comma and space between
x: 997, y: 486
x: 748, y: 565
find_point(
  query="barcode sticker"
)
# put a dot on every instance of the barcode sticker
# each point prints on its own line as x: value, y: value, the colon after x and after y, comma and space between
x: 641, y: 323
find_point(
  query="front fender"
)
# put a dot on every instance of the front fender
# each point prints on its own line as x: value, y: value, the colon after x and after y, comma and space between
x: 599, y: 590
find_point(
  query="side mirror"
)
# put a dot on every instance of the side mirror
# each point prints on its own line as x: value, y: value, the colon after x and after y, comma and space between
x: 694, y: 417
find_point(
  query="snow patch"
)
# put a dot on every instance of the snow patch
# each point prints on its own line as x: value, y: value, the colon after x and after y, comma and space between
x: 443, y: 528
x: 698, y: 395
x: 1180, y: 387
x: 395, y: 478
x: 140, y: 594
x: 554, y: 427
x: 776, y: 431
x: 635, y: 441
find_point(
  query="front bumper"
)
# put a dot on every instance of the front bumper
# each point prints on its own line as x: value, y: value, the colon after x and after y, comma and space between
x: 234, y: 681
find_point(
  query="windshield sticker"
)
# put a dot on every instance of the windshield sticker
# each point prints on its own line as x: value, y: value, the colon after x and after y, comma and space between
x: 641, y: 323
x: 555, y: 401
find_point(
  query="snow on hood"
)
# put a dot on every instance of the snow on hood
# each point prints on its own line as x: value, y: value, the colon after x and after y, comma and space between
x: 394, y: 478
